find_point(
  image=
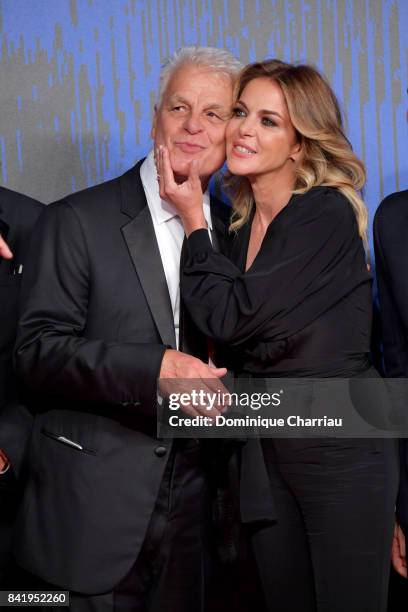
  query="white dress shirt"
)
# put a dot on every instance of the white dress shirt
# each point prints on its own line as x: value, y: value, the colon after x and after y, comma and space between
x: 169, y: 232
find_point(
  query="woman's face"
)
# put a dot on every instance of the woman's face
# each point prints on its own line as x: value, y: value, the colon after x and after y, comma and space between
x: 260, y: 136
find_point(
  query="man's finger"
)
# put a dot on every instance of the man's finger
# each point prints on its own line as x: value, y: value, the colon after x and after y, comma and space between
x: 397, y: 554
x: 218, y: 372
x: 212, y: 377
x: 209, y: 412
x: 4, y: 462
x: 220, y: 394
x: 399, y: 567
x: 401, y: 541
x: 214, y: 383
x: 5, y: 251
x: 191, y: 411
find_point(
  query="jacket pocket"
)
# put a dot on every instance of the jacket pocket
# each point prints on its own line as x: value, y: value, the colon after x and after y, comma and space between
x: 67, y: 441
x: 74, y: 429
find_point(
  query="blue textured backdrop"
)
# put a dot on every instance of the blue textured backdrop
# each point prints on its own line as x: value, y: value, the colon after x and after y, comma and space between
x: 78, y: 78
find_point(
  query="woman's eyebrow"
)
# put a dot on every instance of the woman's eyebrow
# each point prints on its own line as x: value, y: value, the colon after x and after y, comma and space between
x: 263, y: 111
x: 270, y: 112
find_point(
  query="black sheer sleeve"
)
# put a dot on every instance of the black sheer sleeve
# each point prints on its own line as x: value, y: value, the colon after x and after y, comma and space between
x: 311, y: 257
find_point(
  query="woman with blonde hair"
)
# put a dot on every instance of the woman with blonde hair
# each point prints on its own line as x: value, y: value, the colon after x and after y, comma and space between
x: 294, y: 300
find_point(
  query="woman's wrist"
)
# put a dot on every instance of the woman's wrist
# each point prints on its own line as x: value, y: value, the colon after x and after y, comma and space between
x: 194, y: 222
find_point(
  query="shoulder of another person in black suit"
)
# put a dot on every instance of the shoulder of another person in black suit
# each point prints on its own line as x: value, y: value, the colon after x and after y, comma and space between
x: 392, y: 211
x: 19, y: 208
x: 20, y: 213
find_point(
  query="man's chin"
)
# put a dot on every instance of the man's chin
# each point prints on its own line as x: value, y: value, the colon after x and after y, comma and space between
x: 181, y: 172
x: 181, y: 169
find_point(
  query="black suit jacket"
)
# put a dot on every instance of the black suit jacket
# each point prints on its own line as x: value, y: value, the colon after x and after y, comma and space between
x: 18, y: 215
x: 391, y: 259
x: 96, y: 320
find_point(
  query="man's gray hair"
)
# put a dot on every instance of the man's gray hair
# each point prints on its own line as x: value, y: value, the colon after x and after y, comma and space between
x: 218, y: 60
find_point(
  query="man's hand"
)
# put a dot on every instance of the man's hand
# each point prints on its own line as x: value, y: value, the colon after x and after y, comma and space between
x: 4, y: 462
x: 182, y: 373
x: 5, y: 252
x: 398, y: 553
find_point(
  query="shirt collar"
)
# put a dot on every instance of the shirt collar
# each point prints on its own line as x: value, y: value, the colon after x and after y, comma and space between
x: 161, y: 210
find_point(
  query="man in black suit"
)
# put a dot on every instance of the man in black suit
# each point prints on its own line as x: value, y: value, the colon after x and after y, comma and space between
x: 110, y: 512
x: 18, y: 215
x: 391, y: 256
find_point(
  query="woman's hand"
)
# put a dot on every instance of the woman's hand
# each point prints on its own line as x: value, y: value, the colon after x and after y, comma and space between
x: 187, y: 197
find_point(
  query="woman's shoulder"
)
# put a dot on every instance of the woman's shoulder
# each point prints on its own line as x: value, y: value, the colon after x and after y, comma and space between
x: 328, y: 202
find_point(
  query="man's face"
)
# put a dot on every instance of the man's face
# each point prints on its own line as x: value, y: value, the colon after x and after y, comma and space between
x: 192, y: 118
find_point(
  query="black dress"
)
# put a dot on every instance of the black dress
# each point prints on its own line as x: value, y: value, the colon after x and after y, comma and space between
x: 303, y: 309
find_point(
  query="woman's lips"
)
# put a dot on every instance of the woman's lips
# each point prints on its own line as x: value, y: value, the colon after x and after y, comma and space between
x: 239, y: 150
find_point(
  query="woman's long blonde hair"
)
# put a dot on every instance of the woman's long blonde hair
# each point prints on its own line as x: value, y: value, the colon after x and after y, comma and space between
x: 327, y: 157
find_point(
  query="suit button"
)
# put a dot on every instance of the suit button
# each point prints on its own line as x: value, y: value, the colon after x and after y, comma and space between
x: 160, y: 451
x: 201, y: 257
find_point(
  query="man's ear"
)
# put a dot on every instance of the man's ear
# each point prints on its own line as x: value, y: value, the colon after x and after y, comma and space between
x: 153, y: 130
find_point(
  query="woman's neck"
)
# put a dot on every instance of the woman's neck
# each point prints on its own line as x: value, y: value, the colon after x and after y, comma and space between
x: 271, y: 194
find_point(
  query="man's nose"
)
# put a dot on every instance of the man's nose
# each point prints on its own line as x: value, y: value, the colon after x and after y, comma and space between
x: 193, y: 123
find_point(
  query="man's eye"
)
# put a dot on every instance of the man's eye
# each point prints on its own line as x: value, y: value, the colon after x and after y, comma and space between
x: 214, y: 117
x: 178, y: 109
x: 268, y: 122
x: 238, y: 112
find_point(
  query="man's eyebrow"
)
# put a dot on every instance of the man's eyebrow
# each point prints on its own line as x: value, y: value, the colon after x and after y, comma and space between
x: 177, y: 98
x: 263, y: 111
x: 217, y: 106
x: 222, y: 109
x: 213, y: 106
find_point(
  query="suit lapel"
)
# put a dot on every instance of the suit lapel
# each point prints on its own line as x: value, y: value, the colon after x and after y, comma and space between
x: 140, y: 239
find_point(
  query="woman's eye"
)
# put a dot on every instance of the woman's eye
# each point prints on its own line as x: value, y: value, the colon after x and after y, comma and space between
x: 268, y: 122
x: 238, y: 112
